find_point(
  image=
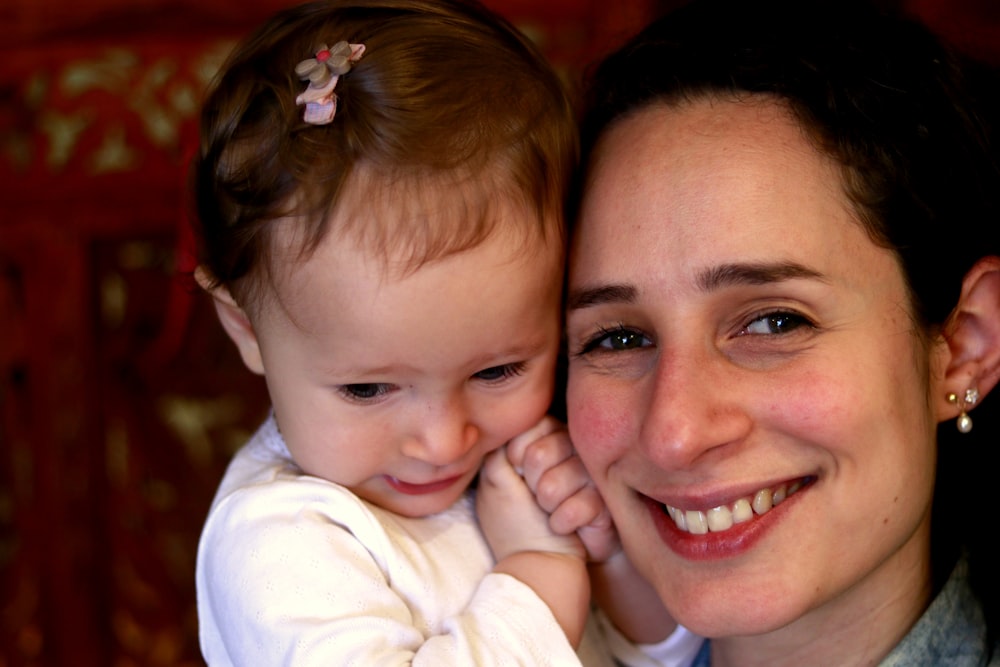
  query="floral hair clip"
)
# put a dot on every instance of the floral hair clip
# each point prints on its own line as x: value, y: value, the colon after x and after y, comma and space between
x: 322, y: 72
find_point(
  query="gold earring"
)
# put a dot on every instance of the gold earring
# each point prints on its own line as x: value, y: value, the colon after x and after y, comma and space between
x: 964, y: 421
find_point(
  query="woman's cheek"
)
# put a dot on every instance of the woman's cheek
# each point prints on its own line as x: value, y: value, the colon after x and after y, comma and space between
x: 597, y: 425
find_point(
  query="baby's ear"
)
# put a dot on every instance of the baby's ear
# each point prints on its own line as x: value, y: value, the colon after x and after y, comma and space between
x: 235, y: 321
x: 972, y: 334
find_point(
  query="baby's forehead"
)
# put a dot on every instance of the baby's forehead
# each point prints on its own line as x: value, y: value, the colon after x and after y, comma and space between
x: 343, y: 274
x: 400, y: 194
x: 415, y: 216
x: 400, y: 220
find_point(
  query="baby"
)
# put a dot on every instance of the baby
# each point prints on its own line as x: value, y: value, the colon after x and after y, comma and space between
x: 379, y: 197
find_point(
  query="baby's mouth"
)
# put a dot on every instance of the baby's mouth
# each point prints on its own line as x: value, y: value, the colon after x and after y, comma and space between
x: 724, y: 517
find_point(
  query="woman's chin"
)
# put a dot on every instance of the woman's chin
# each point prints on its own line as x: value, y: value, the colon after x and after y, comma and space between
x: 719, y: 614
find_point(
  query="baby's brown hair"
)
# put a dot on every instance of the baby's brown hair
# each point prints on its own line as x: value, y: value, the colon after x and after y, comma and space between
x: 448, y: 100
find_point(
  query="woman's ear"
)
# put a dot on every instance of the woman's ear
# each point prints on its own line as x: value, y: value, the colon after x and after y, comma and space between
x: 972, y: 335
x: 234, y: 320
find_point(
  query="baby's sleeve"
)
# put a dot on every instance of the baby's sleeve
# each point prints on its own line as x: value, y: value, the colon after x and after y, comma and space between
x: 280, y: 582
x: 679, y: 649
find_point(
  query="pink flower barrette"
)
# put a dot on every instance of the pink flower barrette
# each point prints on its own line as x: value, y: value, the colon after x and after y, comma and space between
x: 323, y: 72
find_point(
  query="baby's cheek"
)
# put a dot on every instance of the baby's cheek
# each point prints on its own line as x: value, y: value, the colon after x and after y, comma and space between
x: 506, y: 423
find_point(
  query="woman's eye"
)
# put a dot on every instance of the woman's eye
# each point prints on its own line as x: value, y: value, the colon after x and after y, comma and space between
x: 365, y: 391
x: 496, y: 373
x: 619, y: 339
x: 774, y: 323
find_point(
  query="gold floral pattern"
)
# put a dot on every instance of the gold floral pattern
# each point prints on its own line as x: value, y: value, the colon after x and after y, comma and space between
x: 106, y: 112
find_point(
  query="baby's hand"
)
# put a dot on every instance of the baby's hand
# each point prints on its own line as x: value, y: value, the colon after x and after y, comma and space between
x: 563, y: 488
x: 511, y: 520
x: 526, y: 548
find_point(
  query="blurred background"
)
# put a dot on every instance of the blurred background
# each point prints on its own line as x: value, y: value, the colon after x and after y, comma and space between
x: 121, y: 400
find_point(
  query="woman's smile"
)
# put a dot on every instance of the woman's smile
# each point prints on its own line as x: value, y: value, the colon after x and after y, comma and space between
x: 725, y: 530
x: 723, y: 517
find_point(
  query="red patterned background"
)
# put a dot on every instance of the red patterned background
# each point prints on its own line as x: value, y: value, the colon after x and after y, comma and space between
x: 120, y: 399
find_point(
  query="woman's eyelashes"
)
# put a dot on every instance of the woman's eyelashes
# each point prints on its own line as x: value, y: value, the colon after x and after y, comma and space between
x: 775, y: 323
x: 619, y: 338
x: 624, y: 338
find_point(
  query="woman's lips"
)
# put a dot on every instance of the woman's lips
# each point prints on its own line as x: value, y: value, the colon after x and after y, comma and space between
x: 726, y: 530
x: 421, y: 489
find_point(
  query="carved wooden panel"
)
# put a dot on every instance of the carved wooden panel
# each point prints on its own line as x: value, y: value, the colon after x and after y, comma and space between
x: 120, y: 398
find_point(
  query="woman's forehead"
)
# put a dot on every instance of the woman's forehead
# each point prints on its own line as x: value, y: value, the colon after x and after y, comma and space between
x: 713, y: 154
x: 713, y: 183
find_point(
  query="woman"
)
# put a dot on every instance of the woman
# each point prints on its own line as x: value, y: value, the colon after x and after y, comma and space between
x: 784, y: 290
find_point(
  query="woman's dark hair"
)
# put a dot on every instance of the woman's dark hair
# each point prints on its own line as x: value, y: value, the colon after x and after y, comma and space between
x: 446, y: 94
x: 906, y: 118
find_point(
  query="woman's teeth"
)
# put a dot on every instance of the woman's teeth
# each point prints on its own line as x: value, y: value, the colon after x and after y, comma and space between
x: 725, y: 517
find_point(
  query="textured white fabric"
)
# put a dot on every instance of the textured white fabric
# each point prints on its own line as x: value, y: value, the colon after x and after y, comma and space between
x: 296, y: 570
x: 679, y: 649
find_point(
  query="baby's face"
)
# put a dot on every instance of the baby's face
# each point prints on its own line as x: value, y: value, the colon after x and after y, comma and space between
x: 397, y: 386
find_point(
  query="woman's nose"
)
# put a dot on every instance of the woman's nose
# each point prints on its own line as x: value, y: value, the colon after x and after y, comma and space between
x: 442, y: 434
x: 693, y: 410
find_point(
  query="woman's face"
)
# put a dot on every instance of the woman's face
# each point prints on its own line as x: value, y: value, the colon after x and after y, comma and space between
x: 745, y: 384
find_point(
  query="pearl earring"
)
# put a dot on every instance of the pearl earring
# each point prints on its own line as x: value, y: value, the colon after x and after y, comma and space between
x: 964, y: 421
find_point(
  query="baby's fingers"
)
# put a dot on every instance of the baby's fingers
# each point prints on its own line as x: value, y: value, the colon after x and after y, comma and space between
x: 600, y: 538
x: 557, y: 479
x: 518, y: 445
x: 583, y: 508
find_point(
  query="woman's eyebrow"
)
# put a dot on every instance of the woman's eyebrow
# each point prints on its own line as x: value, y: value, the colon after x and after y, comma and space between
x: 588, y: 297
x: 708, y: 280
x: 752, y: 274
